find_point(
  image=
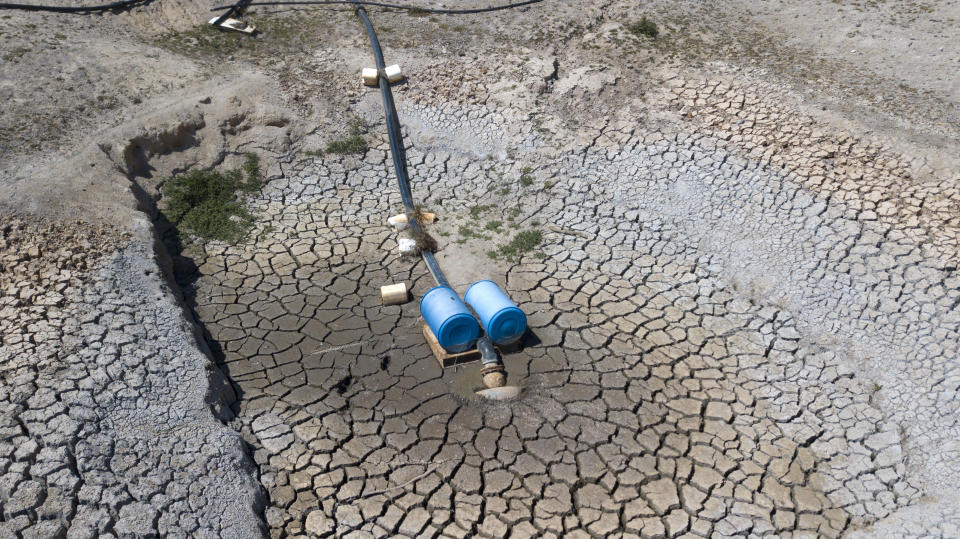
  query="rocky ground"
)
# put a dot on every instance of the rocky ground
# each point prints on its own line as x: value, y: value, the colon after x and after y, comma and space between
x: 744, y: 309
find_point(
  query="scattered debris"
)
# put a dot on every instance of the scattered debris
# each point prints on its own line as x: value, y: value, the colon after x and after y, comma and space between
x: 234, y: 25
x: 569, y: 232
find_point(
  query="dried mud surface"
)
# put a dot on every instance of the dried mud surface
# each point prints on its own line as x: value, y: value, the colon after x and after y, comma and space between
x: 744, y: 311
x: 106, y: 427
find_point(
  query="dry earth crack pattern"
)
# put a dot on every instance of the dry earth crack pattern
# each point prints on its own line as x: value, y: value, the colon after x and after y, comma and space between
x: 726, y: 345
x: 106, y: 424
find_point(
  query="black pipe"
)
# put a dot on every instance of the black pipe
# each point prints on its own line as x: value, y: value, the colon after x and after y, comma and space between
x: 75, y: 9
x: 397, y: 150
x: 387, y: 5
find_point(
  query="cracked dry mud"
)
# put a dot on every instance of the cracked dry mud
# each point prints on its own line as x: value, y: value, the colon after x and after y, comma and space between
x: 83, y: 453
x: 731, y: 332
x: 744, y: 312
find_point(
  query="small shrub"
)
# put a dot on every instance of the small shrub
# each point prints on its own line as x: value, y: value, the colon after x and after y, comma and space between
x: 522, y: 242
x: 14, y: 54
x: 547, y: 184
x: 477, y: 210
x: 526, y: 179
x: 494, y: 225
x: 354, y: 144
x: 466, y: 233
x: 644, y: 28
x: 206, y: 203
x: 251, y: 167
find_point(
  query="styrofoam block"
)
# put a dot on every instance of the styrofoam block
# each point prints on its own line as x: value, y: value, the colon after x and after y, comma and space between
x: 393, y: 73
x: 408, y: 246
x: 398, y: 221
x: 369, y: 76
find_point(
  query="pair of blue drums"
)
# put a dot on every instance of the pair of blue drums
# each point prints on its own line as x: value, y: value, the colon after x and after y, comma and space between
x: 455, y: 327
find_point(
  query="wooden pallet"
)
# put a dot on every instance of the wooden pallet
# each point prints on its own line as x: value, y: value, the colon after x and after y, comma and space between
x: 445, y: 358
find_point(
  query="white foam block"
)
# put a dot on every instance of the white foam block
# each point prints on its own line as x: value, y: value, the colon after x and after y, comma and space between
x: 393, y: 73
x: 369, y: 76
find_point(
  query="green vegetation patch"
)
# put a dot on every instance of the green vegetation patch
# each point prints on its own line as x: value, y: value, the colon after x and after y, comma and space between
x: 526, y: 179
x: 522, y: 242
x: 15, y: 54
x: 644, y: 28
x: 476, y: 211
x: 353, y: 144
x: 277, y: 33
x: 206, y: 202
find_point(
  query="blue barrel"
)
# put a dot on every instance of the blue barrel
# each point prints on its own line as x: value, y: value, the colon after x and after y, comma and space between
x: 504, y: 322
x: 449, y: 319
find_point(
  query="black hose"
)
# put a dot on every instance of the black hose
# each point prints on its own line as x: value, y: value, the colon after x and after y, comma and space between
x: 488, y: 354
x: 387, y: 5
x: 397, y: 150
x: 76, y: 9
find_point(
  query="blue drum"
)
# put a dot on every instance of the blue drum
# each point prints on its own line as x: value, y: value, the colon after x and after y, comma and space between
x: 449, y: 319
x: 503, y: 321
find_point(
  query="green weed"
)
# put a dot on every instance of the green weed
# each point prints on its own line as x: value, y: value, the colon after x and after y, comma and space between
x: 206, y: 202
x: 353, y: 144
x: 465, y: 233
x: 644, y: 28
x: 526, y: 179
x: 477, y: 210
x: 522, y: 242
